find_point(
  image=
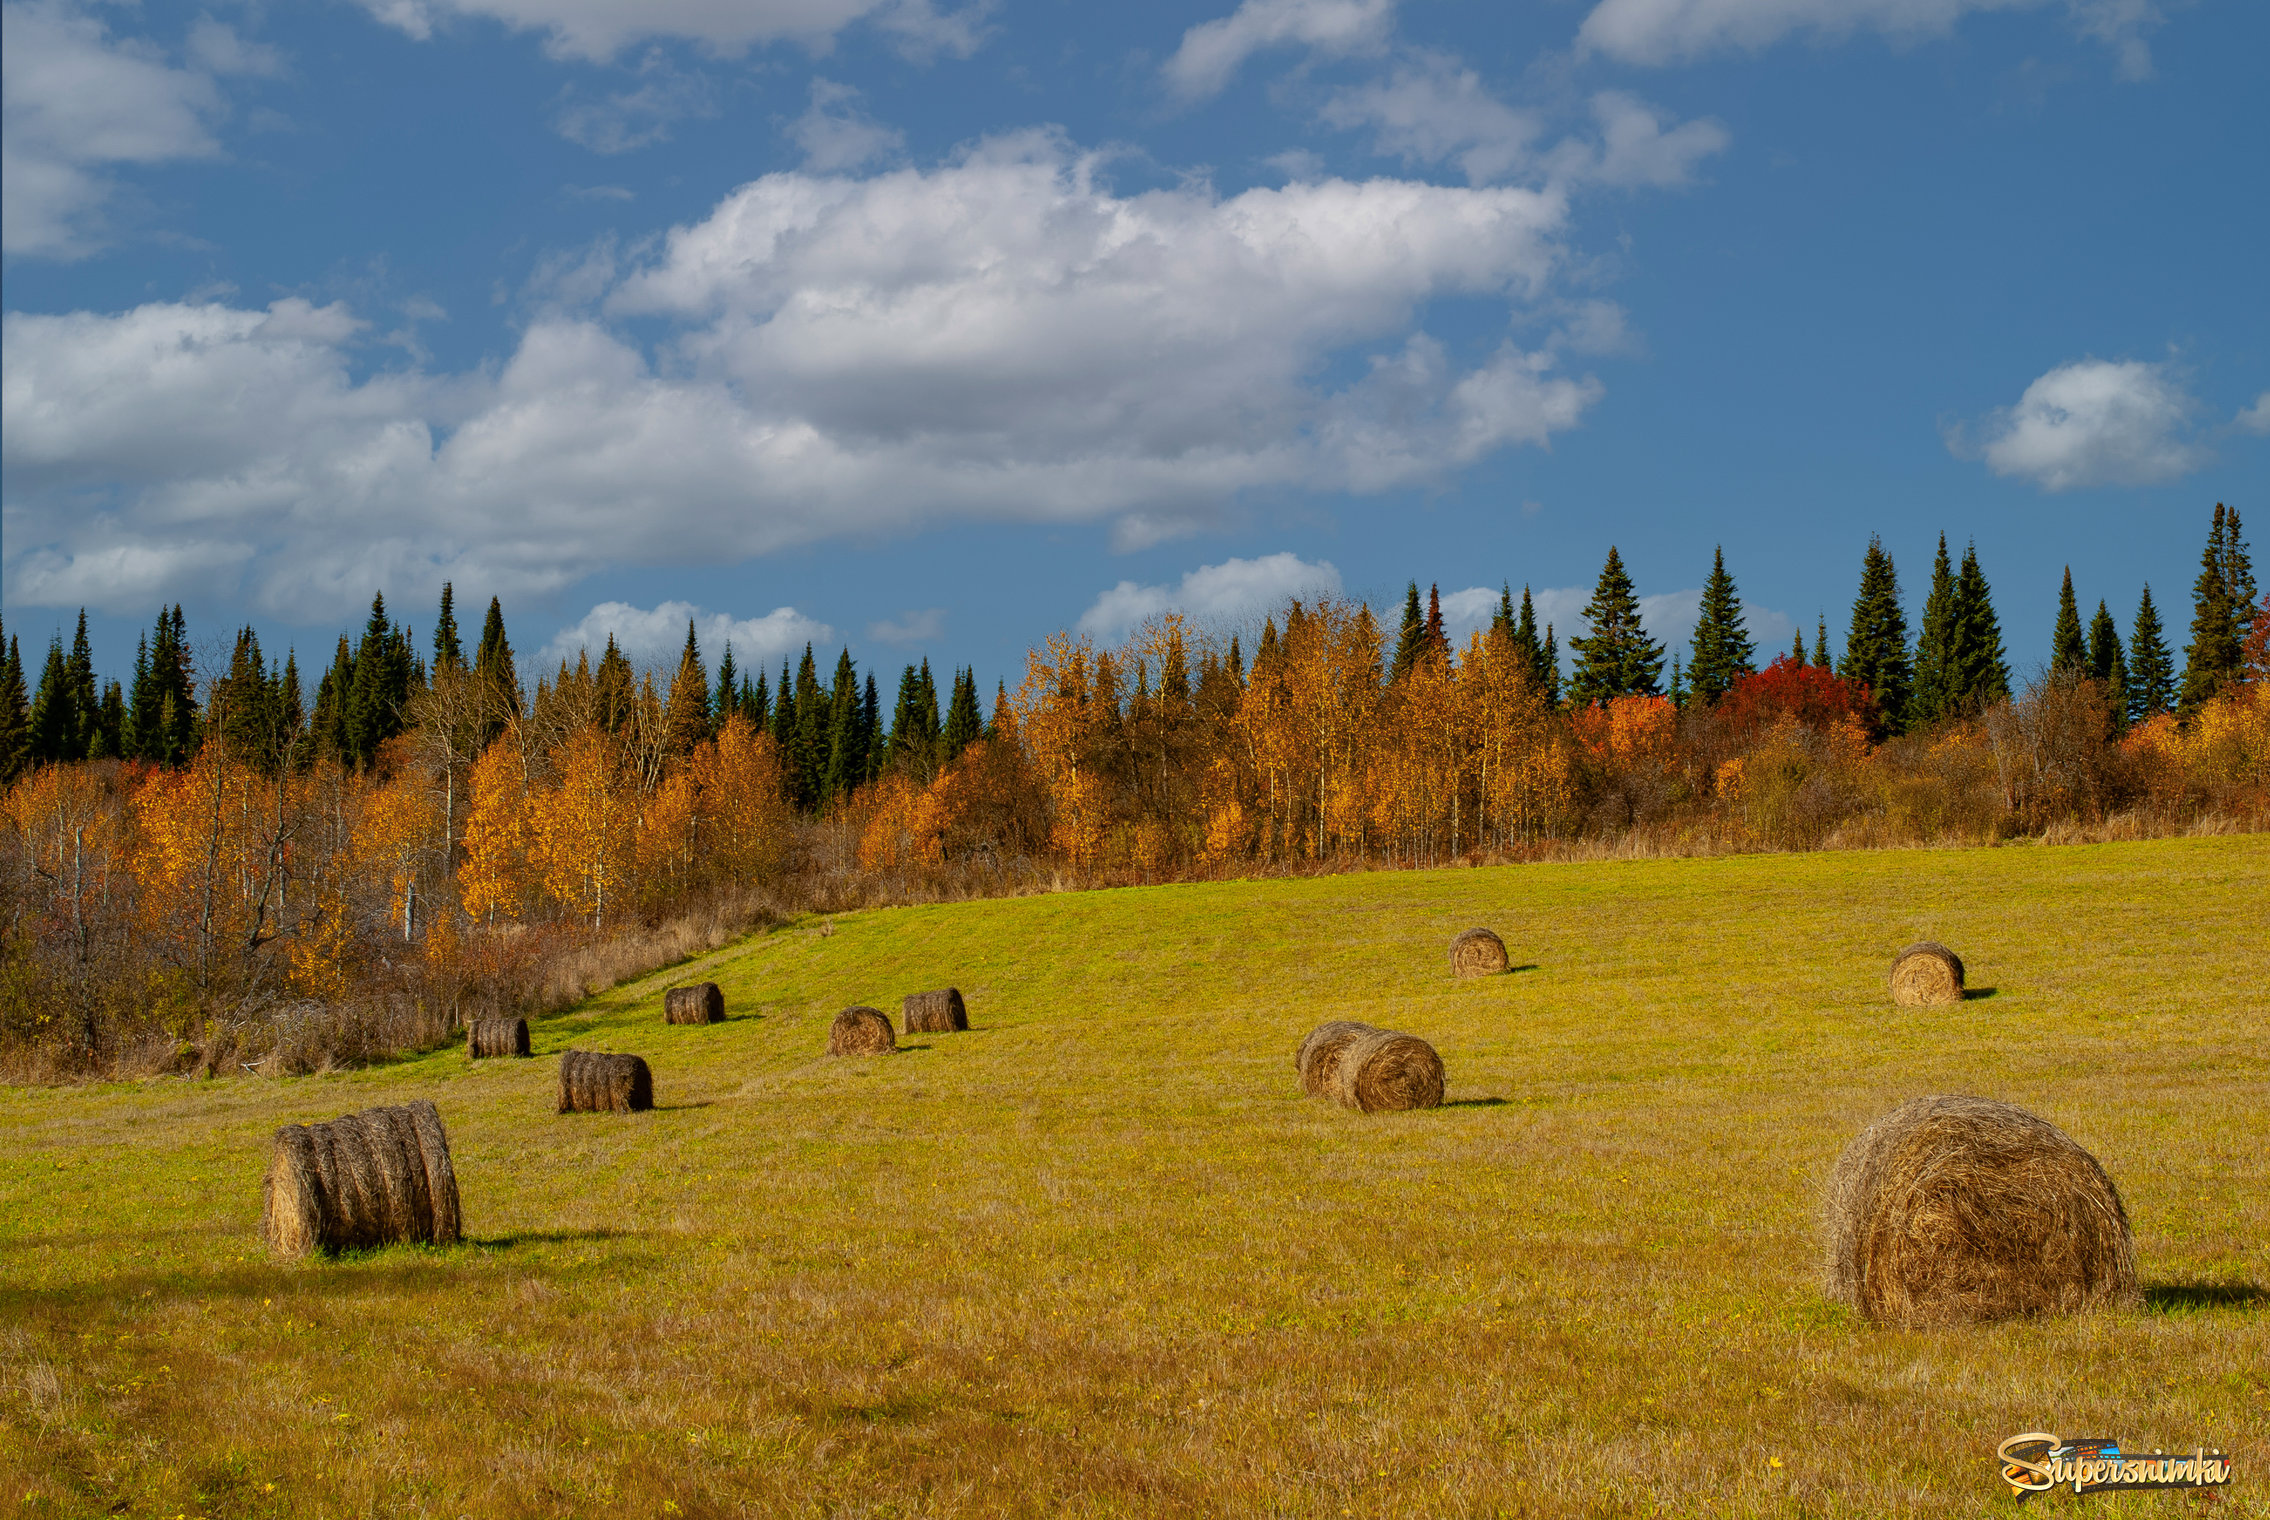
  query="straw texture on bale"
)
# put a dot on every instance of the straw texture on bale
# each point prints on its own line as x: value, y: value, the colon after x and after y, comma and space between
x: 1927, y: 976
x: 935, y: 1012
x: 861, y: 1031
x: 592, y: 1082
x: 1381, y: 1069
x: 1478, y: 952
x: 496, y: 1037
x: 380, y: 1177
x: 1319, y: 1055
x: 1954, y: 1211
x: 702, y: 1004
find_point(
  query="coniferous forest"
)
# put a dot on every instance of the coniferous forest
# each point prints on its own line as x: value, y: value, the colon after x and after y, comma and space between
x: 225, y: 865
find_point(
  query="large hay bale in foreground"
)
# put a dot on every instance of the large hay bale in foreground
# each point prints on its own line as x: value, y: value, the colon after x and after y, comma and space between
x: 1958, y: 1210
x: 861, y: 1031
x: 1928, y: 975
x: 379, y: 1177
x: 1319, y: 1054
x: 1381, y: 1069
x: 935, y: 1012
x: 701, y: 1004
x: 1478, y: 952
x: 593, y: 1082
x: 496, y: 1037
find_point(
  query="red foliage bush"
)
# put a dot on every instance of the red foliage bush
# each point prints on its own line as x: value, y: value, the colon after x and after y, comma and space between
x: 1813, y: 696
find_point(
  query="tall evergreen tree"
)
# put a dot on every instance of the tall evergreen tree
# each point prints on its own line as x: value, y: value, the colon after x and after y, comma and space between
x: 756, y: 703
x: 291, y: 711
x: 327, y: 731
x: 871, y: 735
x: 847, y: 762
x: 813, y: 708
x: 685, y: 714
x: 449, y: 650
x: 110, y: 739
x: 162, y: 713
x: 1502, y: 621
x: 1617, y: 659
x: 86, y: 696
x: 1437, y: 635
x: 1412, y: 636
x: 964, y: 724
x: 2108, y: 664
x: 2151, y: 669
x: 15, y: 714
x: 1821, y: 659
x: 1875, y: 652
x: 377, y: 703
x: 1980, y: 675
x: 728, y: 698
x: 1934, y: 645
x: 55, y: 726
x: 1723, y: 653
x: 493, y: 660
x: 241, y: 707
x: 1532, y: 647
x: 1797, y: 650
x: 614, y: 687
x: 901, y: 748
x: 2220, y: 611
x: 2068, y: 646
x: 1552, y: 667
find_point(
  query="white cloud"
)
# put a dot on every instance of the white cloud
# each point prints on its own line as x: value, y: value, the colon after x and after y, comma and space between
x: 1468, y: 611
x: 1212, y: 51
x: 921, y: 627
x: 835, y: 134
x: 2255, y: 418
x: 630, y: 119
x: 1669, y: 31
x: 596, y: 30
x: 2094, y: 422
x: 654, y: 637
x: 77, y: 101
x: 1002, y: 338
x: 1432, y: 109
x: 1233, y: 591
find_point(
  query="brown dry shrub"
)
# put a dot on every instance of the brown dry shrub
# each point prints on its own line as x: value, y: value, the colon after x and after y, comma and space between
x: 1959, y: 1210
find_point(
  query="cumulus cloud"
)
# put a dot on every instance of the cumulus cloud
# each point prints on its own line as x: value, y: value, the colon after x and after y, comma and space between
x: 78, y: 101
x: 999, y: 338
x: 835, y: 134
x: 1670, y: 31
x: 2095, y: 422
x: 1212, y: 51
x: 2255, y: 418
x: 1233, y: 591
x: 596, y: 30
x: 653, y: 637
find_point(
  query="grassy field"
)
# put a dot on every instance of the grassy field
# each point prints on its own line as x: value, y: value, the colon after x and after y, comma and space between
x: 1099, y: 1256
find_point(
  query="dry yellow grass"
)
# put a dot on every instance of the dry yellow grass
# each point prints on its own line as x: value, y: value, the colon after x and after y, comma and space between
x: 1099, y: 1256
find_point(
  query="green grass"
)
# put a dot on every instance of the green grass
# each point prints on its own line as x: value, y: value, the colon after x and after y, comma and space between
x: 1099, y: 1256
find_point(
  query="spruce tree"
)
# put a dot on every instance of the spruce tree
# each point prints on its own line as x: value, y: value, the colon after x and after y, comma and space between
x: 327, y: 732
x: 1552, y: 667
x: 86, y: 696
x: 1437, y: 636
x: 241, y: 704
x: 291, y: 712
x: 1875, y: 652
x: 1797, y: 650
x: 1934, y: 645
x: 1678, y: 689
x: 728, y: 698
x: 162, y: 709
x: 685, y: 716
x: 449, y: 650
x: 1501, y: 621
x: 2108, y: 664
x: 871, y: 730
x: 846, y: 764
x: 1723, y: 653
x: 54, y: 733
x: 902, y: 749
x: 1412, y: 636
x: 926, y: 711
x: 1821, y: 659
x: 1617, y: 659
x: 814, y: 707
x: 614, y: 688
x: 2068, y: 648
x: 112, y: 735
x: 1981, y: 674
x: 2220, y: 610
x: 1526, y: 640
x: 381, y: 687
x: 964, y: 724
x: 15, y: 714
x: 493, y: 660
x: 756, y: 703
x: 784, y: 729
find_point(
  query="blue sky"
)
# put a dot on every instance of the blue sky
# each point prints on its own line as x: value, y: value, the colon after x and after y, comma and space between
x: 930, y: 329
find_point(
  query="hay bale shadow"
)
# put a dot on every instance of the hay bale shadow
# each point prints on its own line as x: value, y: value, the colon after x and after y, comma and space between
x: 544, y: 1237
x: 1525, y: 966
x: 1473, y: 1103
x: 1973, y: 994
x: 2190, y: 1298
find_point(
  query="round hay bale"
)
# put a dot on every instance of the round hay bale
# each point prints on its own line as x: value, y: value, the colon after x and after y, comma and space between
x: 1319, y: 1054
x: 592, y: 1082
x: 935, y: 1012
x: 379, y: 1177
x: 1960, y: 1210
x: 1927, y: 976
x: 496, y: 1037
x: 1381, y: 1069
x: 861, y: 1031
x: 1478, y: 952
x: 702, y: 1004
